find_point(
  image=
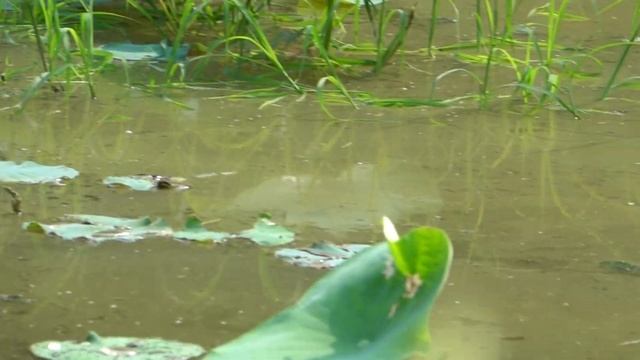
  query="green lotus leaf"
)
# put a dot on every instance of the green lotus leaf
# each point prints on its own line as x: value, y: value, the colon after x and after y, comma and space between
x: 146, y: 182
x: 194, y: 231
x: 96, y: 228
x: 33, y: 173
x: 267, y: 233
x: 368, y: 308
x: 95, y: 347
x: 321, y: 255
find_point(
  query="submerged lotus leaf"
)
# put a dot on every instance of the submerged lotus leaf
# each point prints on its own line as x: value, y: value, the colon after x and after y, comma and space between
x: 8, y: 5
x: 267, y: 233
x: 108, y: 348
x: 194, y: 231
x: 33, y: 173
x: 364, y: 309
x: 146, y: 182
x: 621, y: 267
x: 14, y: 298
x: 109, y: 220
x: 321, y: 255
x: 136, y: 52
x: 97, y: 228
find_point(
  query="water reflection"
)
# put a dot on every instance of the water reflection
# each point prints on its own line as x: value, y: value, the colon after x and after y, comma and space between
x: 353, y: 200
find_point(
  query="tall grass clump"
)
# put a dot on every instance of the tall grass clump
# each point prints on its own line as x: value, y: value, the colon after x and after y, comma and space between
x: 330, y: 40
x: 65, y: 47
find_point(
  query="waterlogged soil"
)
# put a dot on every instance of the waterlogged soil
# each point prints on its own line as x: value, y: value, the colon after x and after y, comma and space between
x: 533, y: 204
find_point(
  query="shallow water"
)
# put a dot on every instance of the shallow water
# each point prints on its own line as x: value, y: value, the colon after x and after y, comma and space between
x: 533, y: 204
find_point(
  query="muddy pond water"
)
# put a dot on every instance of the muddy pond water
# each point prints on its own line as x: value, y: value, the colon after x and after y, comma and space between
x: 533, y: 204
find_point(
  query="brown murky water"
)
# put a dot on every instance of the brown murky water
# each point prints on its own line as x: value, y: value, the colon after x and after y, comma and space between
x: 533, y: 204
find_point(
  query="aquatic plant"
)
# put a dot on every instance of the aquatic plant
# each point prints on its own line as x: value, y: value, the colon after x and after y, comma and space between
x: 322, y: 41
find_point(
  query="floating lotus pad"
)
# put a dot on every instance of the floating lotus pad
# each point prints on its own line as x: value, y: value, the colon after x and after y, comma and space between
x: 108, y: 348
x: 321, y: 255
x: 368, y: 308
x: 194, y: 231
x: 33, y: 173
x: 267, y: 233
x: 97, y: 228
x: 137, y: 52
x: 146, y: 182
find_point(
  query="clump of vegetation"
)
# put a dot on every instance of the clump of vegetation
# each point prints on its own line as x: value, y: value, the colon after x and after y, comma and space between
x: 305, y: 46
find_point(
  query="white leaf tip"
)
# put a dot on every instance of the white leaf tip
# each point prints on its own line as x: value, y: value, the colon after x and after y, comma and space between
x: 389, y: 230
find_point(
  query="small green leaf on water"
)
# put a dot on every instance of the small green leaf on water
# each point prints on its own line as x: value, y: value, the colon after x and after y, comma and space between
x: 97, y: 228
x: 30, y: 172
x: 358, y: 311
x: 95, y: 347
x: 194, y: 231
x: 146, y: 182
x: 267, y: 233
x: 321, y: 255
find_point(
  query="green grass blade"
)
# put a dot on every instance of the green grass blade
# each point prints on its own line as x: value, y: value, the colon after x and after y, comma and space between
x: 625, y: 52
